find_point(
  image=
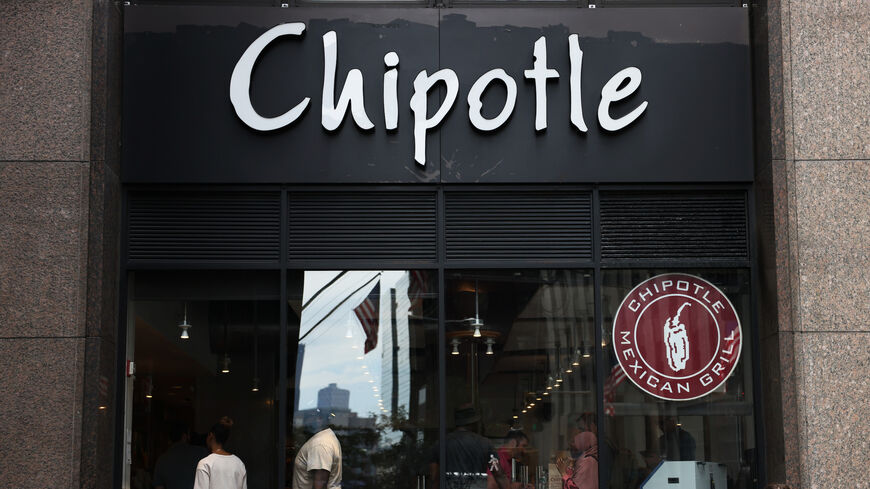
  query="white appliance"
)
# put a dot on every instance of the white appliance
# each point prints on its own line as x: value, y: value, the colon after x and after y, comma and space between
x: 687, y: 475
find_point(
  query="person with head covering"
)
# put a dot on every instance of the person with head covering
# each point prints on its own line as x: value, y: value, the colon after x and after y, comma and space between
x: 582, y: 471
x: 221, y: 469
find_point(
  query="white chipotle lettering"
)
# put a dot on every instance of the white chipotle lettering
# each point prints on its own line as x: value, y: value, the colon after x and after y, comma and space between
x: 333, y: 112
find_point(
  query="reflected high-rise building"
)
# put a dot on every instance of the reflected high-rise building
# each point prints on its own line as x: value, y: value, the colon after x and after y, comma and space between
x: 333, y: 398
x: 335, y: 401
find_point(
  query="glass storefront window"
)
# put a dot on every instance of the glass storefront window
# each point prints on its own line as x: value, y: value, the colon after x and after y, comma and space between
x: 365, y: 365
x: 714, y: 433
x: 361, y: 357
x: 520, y: 379
x: 204, y: 346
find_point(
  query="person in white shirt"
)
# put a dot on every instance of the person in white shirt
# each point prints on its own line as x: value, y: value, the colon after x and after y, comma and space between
x: 221, y: 469
x: 318, y: 463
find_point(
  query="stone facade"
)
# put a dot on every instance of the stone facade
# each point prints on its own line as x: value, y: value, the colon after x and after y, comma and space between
x: 60, y: 221
x: 59, y: 224
x: 814, y: 213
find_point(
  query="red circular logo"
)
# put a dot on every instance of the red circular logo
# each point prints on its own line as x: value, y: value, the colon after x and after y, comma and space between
x: 677, y: 337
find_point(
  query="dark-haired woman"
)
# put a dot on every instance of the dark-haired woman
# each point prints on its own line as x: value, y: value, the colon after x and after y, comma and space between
x: 221, y: 469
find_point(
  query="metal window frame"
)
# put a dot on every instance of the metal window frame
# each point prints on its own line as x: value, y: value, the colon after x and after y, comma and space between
x: 450, y: 3
x: 440, y: 266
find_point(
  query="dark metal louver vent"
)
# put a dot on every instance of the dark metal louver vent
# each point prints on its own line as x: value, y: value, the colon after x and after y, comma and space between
x: 362, y: 226
x: 506, y: 225
x: 197, y: 227
x: 674, y: 225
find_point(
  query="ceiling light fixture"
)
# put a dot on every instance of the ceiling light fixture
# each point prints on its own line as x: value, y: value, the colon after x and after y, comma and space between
x: 225, y: 364
x: 489, y: 343
x: 455, y: 343
x: 255, y: 387
x: 184, y: 325
x: 476, y: 322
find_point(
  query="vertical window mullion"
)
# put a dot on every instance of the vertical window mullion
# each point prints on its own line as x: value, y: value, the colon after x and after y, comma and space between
x: 604, y: 467
x: 442, y: 340
x: 283, y: 404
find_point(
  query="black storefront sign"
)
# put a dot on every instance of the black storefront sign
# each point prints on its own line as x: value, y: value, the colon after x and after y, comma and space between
x: 687, y: 107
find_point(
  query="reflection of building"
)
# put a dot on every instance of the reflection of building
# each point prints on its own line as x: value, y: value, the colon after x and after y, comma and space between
x: 395, y: 360
x: 336, y: 402
x: 300, y: 357
x: 333, y: 398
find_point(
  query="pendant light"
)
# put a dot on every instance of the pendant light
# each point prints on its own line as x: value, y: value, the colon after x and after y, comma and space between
x: 476, y: 321
x: 489, y: 343
x: 255, y: 386
x: 455, y: 343
x: 184, y: 325
x: 225, y: 363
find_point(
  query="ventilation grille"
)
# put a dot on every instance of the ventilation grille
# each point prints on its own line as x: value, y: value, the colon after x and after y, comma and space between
x: 518, y: 225
x: 679, y: 225
x: 362, y: 226
x: 204, y: 226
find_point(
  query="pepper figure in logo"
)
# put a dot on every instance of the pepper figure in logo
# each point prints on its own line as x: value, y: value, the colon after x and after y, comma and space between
x: 677, y: 337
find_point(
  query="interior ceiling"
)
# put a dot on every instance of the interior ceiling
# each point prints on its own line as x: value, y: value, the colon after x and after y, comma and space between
x: 157, y: 356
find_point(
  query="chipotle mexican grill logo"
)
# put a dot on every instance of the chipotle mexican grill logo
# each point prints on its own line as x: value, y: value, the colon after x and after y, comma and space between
x: 677, y: 337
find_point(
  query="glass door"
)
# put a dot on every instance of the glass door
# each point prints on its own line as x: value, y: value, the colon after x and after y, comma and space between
x: 521, y: 394
x: 365, y: 367
x: 204, y: 348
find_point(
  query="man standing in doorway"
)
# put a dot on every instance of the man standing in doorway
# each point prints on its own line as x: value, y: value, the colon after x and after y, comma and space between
x: 472, y: 462
x: 675, y: 443
x: 318, y: 463
x: 176, y: 468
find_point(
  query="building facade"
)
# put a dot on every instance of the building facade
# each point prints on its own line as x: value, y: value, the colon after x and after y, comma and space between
x: 121, y: 215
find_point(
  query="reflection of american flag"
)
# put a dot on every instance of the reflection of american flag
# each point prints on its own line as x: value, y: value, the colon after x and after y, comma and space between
x: 367, y: 313
x: 616, y: 377
x: 416, y: 287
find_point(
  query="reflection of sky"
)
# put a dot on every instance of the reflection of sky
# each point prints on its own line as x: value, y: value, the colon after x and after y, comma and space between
x: 335, y: 338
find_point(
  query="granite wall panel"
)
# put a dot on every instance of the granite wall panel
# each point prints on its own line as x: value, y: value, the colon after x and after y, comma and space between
x: 45, y: 80
x: 103, y: 251
x: 835, y: 415
x: 106, y: 72
x: 98, y: 446
x: 772, y: 19
x: 783, y: 69
x: 833, y: 220
x: 43, y: 248
x: 40, y: 416
x: 830, y: 56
